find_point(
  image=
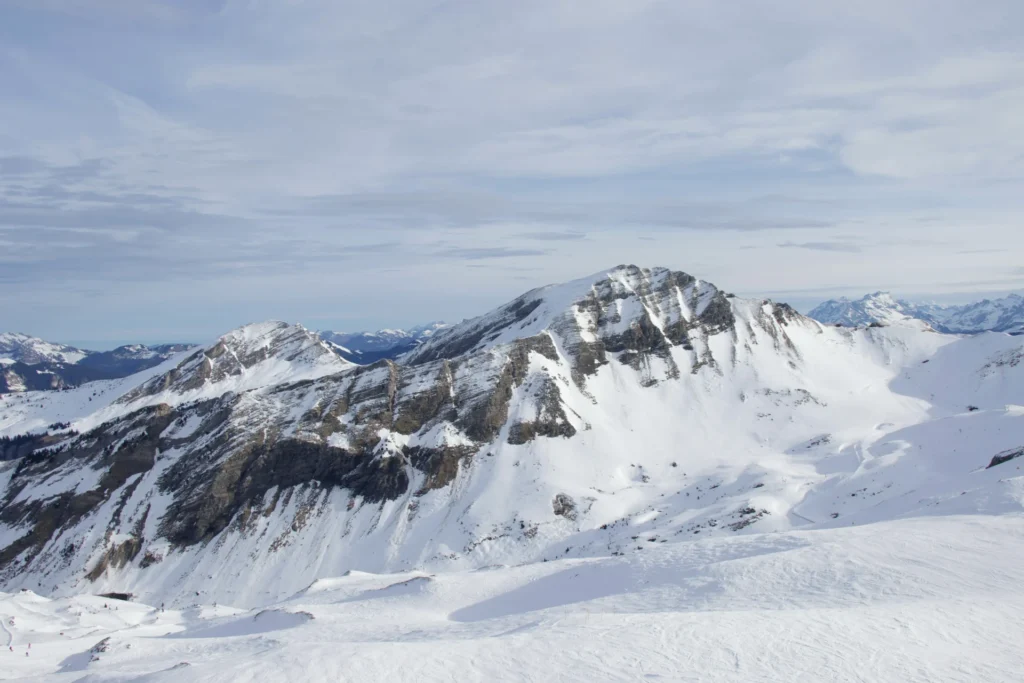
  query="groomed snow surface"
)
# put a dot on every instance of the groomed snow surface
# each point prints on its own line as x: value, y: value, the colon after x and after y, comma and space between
x: 925, y: 599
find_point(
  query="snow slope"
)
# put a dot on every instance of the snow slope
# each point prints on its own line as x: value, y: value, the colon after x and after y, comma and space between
x: 611, y: 417
x: 935, y: 598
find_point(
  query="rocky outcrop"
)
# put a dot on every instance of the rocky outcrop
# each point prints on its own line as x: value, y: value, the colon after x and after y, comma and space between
x: 564, y: 506
x: 551, y: 420
x: 1006, y: 456
x: 484, y: 420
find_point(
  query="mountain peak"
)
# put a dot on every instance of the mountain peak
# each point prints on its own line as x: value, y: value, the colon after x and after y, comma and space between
x: 611, y: 307
x: 251, y: 356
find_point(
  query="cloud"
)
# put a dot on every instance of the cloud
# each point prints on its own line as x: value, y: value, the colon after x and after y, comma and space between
x: 844, y: 247
x: 476, y: 254
x: 231, y: 154
x: 555, y: 236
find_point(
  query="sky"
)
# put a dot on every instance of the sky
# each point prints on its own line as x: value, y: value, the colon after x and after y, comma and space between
x: 171, y: 170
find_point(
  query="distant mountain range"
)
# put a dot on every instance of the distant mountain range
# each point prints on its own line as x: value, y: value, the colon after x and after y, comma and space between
x: 989, y: 315
x: 368, y: 347
x: 31, y: 364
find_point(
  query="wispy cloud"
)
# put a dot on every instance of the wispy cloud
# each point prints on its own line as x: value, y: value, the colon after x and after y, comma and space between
x: 479, y: 253
x: 844, y: 247
x: 554, y: 236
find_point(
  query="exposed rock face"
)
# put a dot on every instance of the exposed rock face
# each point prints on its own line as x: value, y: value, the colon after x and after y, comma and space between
x: 249, y: 473
x: 551, y: 420
x: 115, y: 452
x: 634, y: 314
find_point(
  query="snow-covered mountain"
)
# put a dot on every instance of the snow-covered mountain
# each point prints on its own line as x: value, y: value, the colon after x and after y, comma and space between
x: 999, y: 315
x: 370, y: 347
x: 989, y: 315
x: 598, y: 418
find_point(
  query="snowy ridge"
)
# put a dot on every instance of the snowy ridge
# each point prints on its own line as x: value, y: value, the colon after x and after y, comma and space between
x: 601, y: 418
x: 254, y: 356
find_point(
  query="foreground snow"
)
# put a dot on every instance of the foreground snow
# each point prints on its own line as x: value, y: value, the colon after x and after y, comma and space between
x: 926, y: 599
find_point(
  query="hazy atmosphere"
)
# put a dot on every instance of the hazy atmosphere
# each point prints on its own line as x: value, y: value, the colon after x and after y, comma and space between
x: 170, y: 170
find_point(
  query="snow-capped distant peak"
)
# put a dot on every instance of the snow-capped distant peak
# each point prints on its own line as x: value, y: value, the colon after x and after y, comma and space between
x: 996, y: 315
x: 875, y: 308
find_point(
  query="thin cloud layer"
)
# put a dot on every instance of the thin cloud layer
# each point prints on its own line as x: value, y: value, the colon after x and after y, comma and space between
x: 171, y: 169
